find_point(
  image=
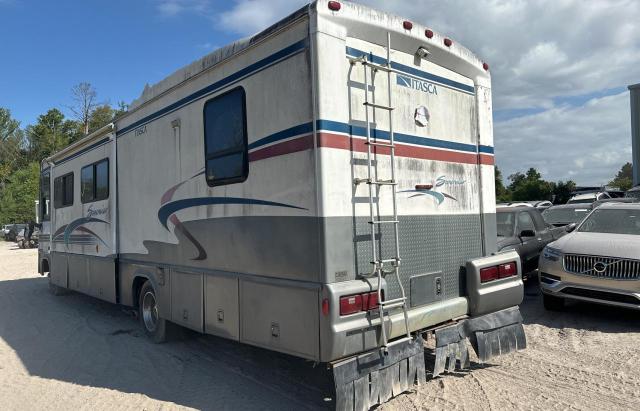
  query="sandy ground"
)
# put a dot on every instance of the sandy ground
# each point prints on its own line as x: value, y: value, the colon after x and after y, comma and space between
x: 75, y: 352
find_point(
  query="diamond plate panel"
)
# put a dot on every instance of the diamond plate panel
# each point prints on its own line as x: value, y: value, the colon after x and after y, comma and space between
x: 427, y: 244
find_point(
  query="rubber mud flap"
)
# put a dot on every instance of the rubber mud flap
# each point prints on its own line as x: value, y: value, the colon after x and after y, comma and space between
x: 373, y: 378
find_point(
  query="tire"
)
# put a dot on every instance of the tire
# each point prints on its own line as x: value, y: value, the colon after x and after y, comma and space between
x: 552, y: 303
x: 154, y: 327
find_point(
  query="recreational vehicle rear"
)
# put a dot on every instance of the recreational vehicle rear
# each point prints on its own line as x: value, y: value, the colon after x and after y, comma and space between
x: 322, y: 189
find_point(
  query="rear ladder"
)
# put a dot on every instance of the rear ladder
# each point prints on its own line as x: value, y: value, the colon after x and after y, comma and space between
x: 375, y: 222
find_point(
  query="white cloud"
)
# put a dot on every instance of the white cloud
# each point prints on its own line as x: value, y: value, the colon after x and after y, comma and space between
x: 174, y: 7
x: 587, y: 144
x: 251, y: 16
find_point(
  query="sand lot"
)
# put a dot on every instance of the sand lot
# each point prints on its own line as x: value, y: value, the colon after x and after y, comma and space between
x: 75, y: 352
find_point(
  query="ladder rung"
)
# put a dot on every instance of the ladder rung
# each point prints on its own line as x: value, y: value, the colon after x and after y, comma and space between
x: 377, y: 66
x: 394, y: 305
x: 384, y: 222
x: 377, y: 106
x: 373, y: 143
x: 388, y: 260
x: 382, y: 182
x: 393, y: 301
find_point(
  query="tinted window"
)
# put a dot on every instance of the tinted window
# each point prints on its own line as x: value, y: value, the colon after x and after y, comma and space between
x: 506, y: 224
x: 95, y: 181
x: 45, y: 194
x: 564, y: 215
x: 525, y: 222
x: 63, y: 191
x: 226, y: 139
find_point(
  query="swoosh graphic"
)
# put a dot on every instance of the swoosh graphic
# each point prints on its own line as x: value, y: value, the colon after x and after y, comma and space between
x: 170, y: 208
x: 77, y: 223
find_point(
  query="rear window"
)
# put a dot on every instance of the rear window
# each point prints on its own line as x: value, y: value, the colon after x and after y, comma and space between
x: 506, y: 224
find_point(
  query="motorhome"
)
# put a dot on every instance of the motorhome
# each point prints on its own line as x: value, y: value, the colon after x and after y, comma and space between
x: 324, y: 189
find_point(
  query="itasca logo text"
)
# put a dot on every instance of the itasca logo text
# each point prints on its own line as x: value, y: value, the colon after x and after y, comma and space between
x: 420, y: 85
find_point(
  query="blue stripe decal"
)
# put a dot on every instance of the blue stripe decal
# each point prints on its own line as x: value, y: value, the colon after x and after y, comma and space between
x: 412, y: 71
x: 173, y: 207
x: 84, y: 150
x: 485, y: 149
x: 238, y: 75
x: 282, y: 135
x: 399, y: 137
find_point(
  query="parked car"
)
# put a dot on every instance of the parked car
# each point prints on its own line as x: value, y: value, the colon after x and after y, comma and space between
x: 566, y: 214
x: 524, y: 230
x: 588, y: 198
x: 633, y: 193
x: 540, y: 205
x: 598, y: 262
x: 5, y: 230
x: 13, y: 231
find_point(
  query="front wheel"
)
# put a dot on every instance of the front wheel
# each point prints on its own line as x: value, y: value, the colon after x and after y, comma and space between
x: 552, y: 303
x: 154, y: 326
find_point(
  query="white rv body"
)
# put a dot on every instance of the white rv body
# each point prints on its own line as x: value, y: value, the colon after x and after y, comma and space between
x: 266, y: 259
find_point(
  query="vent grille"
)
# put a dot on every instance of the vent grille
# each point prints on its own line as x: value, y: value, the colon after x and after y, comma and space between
x: 602, y: 267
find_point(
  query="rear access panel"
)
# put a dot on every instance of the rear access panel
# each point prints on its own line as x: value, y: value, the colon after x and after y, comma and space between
x: 426, y: 288
x: 280, y: 317
x: 221, y: 311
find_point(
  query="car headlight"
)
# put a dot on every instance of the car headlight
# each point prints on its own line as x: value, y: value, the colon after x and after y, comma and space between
x: 551, y: 254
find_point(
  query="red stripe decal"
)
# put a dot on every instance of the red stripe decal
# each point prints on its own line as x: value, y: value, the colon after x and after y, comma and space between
x: 287, y: 147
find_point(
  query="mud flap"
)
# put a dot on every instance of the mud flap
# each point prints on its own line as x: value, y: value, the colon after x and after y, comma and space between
x: 373, y: 378
x: 490, y: 335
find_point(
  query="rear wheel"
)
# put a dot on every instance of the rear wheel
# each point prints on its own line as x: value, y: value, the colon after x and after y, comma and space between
x: 552, y: 303
x: 154, y: 326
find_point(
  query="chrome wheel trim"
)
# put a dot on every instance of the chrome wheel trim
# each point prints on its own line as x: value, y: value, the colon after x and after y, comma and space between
x: 149, y: 311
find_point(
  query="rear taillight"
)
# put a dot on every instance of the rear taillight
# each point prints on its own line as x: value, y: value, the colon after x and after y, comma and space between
x: 334, y: 5
x: 498, y: 271
x: 488, y: 274
x: 507, y: 270
x: 352, y: 304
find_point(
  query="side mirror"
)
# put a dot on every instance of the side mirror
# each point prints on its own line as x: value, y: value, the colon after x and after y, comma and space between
x: 570, y: 227
x: 527, y: 233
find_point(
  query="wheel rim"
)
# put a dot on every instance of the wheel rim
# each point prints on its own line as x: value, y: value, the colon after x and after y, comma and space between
x: 150, y: 311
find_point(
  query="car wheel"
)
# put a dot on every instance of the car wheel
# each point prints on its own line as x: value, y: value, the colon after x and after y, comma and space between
x: 552, y: 303
x: 153, y: 325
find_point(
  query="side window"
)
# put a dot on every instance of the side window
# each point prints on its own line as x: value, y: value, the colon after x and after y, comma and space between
x: 525, y: 222
x: 45, y: 194
x: 63, y: 191
x: 225, y: 138
x: 94, y: 181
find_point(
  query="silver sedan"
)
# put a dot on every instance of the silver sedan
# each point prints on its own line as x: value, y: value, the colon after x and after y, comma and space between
x: 598, y: 262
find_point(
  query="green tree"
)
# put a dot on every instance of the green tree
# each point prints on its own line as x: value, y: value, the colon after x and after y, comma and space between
x: 11, y: 145
x: 624, y: 178
x: 51, y: 133
x: 529, y: 186
x: 17, y: 201
x: 562, y: 191
x: 100, y: 117
x: 502, y: 194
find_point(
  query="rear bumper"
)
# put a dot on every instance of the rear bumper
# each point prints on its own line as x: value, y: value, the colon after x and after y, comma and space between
x: 343, y: 336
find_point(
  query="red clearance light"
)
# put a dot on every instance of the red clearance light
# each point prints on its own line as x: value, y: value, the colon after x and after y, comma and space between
x: 507, y: 270
x: 325, y: 307
x: 350, y: 304
x: 428, y: 33
x: 488, y: 274
x: 448, y: 42
x: 334, y: 5
x: 485, y: 66
x: 407, y: 25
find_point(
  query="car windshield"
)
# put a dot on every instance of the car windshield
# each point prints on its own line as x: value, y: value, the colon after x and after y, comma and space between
x: 564, y: 215
x: 582, y: 201
x: 506, y: 224
x: 623, y: 221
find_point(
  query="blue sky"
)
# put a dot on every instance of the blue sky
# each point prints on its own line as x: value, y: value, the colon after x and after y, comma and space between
x: 559, y: 90
x: 118, y: 46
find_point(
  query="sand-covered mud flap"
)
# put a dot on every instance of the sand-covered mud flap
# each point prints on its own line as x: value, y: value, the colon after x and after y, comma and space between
x: 490, y: 335
x: 373, y: 378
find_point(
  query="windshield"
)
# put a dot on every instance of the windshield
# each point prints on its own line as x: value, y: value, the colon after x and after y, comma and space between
x: 564, y: 215
x: 612, y: 222
x: 506, y: 224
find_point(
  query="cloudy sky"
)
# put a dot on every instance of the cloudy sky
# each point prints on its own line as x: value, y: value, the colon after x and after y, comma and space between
x: 560, y: 67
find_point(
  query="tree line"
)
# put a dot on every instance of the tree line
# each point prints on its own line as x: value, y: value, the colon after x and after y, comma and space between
x: 531, y: 186
x: 22, y: 149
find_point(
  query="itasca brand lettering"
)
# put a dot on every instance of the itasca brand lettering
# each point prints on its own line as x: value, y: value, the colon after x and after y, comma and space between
x: 419, y: 85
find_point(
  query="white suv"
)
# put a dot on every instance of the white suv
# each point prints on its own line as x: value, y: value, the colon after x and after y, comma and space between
x: 588, y: 198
